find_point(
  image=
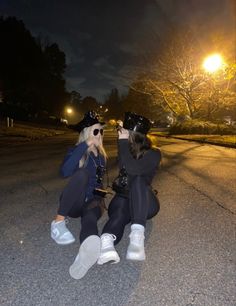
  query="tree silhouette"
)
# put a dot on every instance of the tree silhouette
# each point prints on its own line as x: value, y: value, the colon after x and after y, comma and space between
x: 114, y: 105
x: 89, y: 103
x: 31, y: 76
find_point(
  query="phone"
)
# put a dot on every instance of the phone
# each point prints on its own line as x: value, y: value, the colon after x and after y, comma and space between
x: 100, y: 192
x: 118, y: 128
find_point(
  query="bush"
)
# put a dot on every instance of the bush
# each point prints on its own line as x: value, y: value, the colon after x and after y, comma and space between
x: 201, y: 127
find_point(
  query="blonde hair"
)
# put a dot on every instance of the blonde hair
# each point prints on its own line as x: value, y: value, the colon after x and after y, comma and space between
x: 83, y: 136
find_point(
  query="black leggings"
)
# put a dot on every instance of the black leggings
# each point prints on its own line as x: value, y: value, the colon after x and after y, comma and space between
x: 141, y: 205
x: 73, y: 204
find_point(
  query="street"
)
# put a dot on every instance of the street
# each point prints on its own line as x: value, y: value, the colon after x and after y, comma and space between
x: 190, y: 244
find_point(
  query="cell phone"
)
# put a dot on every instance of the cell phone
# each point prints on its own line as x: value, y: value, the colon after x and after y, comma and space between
x: 118, y: 128
x: 100, y: 192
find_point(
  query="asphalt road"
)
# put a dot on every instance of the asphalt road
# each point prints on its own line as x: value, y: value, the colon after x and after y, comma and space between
x: 190, y: 245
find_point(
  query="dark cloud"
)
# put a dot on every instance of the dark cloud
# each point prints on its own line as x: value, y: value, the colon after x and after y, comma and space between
x: 104, y: 40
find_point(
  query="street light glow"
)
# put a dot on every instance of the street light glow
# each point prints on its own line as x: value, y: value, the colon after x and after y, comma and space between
x: 69, y: 110
x: 213, y: 63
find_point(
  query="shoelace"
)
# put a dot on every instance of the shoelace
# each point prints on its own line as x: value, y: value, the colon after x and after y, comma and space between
x: 106, y: 240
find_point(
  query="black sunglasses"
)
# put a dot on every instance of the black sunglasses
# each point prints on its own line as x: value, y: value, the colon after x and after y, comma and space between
x: 96, y: 131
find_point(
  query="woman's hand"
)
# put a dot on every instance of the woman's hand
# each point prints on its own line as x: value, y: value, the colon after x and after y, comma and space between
x: 123, y: 133
x: 93, y: 141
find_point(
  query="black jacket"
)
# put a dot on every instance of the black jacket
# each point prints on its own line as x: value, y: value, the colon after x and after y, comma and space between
x: 145, y: 166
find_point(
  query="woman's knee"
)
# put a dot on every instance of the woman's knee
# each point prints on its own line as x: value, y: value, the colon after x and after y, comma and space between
x: 81, y: 176
x: 75, y: 189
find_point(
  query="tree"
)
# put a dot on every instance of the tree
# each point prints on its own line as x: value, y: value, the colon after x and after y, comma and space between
x: 113, y: 104
x: 178, y: 84
x: 55, y: 60
x: 89, y: 103
x: 173, y: 80
x: 19, y: 70
x: 219, y: 93
x: 141, y: 103
x: 31, y: 76
x: 55, y: 93
x: 75, y: 98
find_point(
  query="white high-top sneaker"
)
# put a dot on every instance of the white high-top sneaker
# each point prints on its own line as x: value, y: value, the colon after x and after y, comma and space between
x: 108, y: 252
x: 135, y: 249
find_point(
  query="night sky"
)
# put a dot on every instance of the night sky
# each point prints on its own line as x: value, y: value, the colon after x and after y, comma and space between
x: 105, y: 39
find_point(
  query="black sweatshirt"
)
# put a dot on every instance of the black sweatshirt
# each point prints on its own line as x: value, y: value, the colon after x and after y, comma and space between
x: 145, y: 166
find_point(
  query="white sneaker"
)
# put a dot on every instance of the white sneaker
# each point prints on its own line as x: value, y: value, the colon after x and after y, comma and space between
x: 89, y: 252
x: 108, y: 252
x: 135, y: 249
x: 60, y: 233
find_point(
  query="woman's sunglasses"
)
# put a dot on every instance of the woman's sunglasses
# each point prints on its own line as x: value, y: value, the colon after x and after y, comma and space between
x: 96, y: 131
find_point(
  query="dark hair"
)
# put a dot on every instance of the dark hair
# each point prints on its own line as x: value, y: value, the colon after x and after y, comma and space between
x: 139, y: 144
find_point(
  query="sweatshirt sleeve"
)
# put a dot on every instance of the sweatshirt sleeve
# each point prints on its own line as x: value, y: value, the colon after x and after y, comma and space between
x: 144, y: 165
x: 72, y: 158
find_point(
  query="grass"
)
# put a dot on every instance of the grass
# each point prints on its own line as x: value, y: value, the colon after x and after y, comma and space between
x: 217, y: 139
x: 227, y: 140
x: 24, y: 132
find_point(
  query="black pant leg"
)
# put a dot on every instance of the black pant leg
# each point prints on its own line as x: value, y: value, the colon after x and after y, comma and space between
x: 154, y: 206
x: 91, y: 213
x: 73, y: 196
x: 119, y: 216
x: 143, y: 202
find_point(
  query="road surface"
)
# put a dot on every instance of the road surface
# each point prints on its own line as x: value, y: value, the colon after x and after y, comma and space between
x: 190, y: 245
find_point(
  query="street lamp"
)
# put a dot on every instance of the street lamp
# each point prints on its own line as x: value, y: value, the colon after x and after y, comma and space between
x: 213, y: 63
x: 69, y: 110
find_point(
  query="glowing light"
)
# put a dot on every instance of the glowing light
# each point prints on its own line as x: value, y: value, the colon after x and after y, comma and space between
x: 69, y: 110
x: 213, y: 63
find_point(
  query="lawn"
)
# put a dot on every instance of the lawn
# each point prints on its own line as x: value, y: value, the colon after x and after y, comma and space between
x: 218, y: 139
x: 26, y: 132
x: 227, y: 140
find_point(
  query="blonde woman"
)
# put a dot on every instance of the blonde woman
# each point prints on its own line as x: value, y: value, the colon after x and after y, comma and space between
x: 85, y: 164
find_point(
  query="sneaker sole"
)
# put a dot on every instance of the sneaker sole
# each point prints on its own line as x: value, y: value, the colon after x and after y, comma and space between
x: 135, y: 257
x: 88, y: 255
